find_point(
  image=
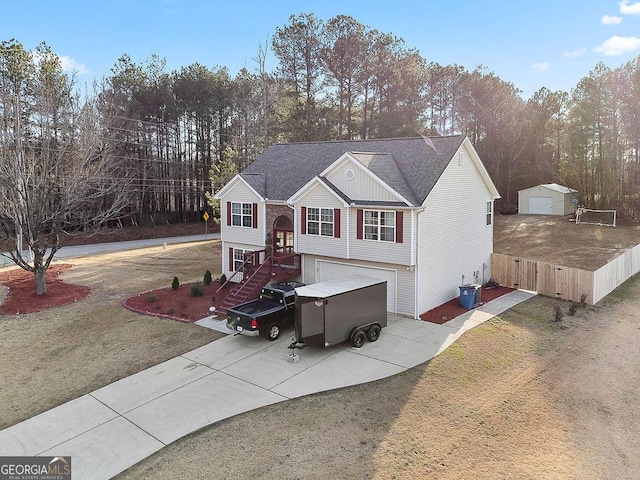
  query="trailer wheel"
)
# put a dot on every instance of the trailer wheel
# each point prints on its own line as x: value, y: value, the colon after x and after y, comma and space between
x: 357, y: 338
x: 273, y: 331
x: 373, y: 333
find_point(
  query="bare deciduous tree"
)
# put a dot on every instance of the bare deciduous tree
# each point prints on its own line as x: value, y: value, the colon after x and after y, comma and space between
x: 56, y: 170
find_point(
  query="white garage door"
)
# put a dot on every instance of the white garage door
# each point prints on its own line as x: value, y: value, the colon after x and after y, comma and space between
x: 541, y: 205
x: 329, y: 270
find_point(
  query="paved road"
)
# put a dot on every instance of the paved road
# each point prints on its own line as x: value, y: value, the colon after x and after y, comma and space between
x: 84, y: 250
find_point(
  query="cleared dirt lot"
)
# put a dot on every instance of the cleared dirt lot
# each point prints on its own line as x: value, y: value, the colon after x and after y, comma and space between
x: 560, y: 241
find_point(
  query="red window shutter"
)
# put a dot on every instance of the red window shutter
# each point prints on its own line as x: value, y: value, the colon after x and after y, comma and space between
x: 359, y: 224
x: 399, y: 225
x: 230, y: 259
x: 255, y: 215
x: 303, y: 220
x: 228, y: 213
x: 336, y: 222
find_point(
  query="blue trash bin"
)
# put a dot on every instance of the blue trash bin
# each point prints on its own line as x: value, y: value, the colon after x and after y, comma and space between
x: 468, y: 296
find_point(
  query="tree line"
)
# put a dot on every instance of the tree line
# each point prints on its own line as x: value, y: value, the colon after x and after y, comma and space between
x: 182, y: 134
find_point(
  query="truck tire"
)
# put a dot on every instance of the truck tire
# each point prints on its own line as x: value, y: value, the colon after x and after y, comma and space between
x: 357, y: 338
x: 273, y: 332
x: 373, y: 332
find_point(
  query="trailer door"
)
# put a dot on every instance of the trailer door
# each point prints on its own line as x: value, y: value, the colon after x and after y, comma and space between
x: 312, y: 318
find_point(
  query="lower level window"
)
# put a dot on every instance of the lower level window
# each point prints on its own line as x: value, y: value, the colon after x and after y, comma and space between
x: 238, y: 258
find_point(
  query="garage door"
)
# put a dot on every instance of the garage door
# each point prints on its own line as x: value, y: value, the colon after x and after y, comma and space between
x: 541, y: 205
x: 329, y: 270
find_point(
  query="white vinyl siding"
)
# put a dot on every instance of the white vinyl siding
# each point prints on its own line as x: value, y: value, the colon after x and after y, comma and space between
x: 319, y: 197
x: 398, y: 253
x: 362, y: 186
x: 454, y: 240
x: 404, y: 296
x: 242, y: 194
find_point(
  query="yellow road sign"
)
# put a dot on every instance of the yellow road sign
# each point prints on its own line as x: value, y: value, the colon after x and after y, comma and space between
x: 205, y: 216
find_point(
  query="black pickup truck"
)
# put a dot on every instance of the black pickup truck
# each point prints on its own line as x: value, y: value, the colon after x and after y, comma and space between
x: 267, y: 314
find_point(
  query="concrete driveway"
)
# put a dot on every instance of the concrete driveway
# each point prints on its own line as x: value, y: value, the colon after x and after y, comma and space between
x: 116, y: 426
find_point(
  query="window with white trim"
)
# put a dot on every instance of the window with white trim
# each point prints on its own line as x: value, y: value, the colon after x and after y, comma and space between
x: 380, y: 225
x: 238, y: 258
x: 242, y: 214
x: 320, y: 221
x: 489, y: 213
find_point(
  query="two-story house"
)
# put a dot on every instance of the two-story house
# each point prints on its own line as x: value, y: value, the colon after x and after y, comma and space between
x: 416, y: 212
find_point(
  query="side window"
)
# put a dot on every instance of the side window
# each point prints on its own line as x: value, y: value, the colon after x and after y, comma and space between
x: 489, y: 213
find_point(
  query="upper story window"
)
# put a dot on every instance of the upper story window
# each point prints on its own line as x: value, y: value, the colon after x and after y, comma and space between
x: 320, y: 221
x: 241, y: 214
x: 489, y: 213
x: 323, y: 222
x: 380, y: 225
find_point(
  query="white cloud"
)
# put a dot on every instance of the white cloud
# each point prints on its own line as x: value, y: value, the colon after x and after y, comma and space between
x: 618, y: 45
x: 610, y: 20
x: 70, y: 65
x: 626, y: 9
x: 540, y: 67
x: 575, y: 53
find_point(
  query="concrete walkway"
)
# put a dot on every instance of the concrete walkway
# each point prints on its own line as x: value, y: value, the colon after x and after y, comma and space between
x: 116, y: 426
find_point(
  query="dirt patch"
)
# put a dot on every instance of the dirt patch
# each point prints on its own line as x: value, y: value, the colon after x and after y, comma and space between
x: 559, y: 241
x: 521, y: 396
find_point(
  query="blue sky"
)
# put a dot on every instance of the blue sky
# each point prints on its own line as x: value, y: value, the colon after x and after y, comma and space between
x: 551, y: 43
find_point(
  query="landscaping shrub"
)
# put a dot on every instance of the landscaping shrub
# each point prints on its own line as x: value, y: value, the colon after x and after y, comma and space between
x: 207, y: 278
x: 152, y: 297
x: 175, y: 284
x: 558, y: 313
x: 573, y: 308
x: 170, y: 310
x: 223, y: 279
x: 196, y: 290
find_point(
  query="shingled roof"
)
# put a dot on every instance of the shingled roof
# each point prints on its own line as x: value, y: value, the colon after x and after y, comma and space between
x: 411, y: 166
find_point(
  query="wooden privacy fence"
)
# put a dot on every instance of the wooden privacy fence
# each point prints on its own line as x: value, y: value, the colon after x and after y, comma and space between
x: 565, y: 282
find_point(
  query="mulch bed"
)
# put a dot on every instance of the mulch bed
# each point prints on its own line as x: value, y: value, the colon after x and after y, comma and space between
x: 174, y: 304
x: 452, y: 308
x: 22, y: 296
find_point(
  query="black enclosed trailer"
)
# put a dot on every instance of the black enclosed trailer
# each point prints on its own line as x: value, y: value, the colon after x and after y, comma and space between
x: 347, y: 309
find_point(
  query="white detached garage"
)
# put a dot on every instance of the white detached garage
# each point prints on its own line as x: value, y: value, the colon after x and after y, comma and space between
x: 547, y: 199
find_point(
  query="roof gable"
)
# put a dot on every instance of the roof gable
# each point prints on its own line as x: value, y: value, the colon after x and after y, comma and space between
x: 253, y: 183
x: 377, y: 172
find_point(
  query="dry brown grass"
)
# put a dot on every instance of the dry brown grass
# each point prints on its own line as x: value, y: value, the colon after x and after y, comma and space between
x: 54, y: 356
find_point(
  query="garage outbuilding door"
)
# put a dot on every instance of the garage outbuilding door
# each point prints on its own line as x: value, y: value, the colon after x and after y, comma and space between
x: 330, y: 270
x: 541, y: 205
